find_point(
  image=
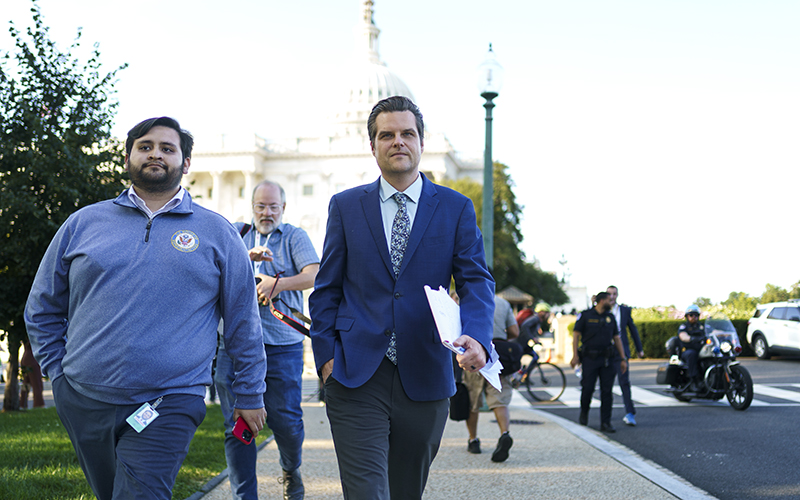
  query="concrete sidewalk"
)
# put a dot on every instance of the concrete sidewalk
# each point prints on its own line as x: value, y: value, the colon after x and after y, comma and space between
x: 551, y: 458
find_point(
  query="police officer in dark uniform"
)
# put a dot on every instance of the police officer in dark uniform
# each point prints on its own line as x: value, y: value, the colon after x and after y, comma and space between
x: 595, y: 343
x: 692, y: 335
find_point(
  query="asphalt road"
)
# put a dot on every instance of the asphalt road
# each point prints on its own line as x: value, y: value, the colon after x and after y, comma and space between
x: 751, y: 454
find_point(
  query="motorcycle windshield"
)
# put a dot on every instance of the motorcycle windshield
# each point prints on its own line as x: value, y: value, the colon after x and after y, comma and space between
x: 719, y: 324
x: 722, y: 330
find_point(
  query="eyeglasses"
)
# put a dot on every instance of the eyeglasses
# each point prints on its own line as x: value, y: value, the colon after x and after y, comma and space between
x: 693, y: 314
x: 260, y: 208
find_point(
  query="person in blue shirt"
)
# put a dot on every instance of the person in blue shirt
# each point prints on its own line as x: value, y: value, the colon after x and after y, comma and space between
x: 285, y: 264
x: 123, y: 317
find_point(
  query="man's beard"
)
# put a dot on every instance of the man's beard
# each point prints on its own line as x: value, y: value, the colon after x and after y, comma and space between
x: 606, y: 307
x: 266, y: 227
x: 155, y: 183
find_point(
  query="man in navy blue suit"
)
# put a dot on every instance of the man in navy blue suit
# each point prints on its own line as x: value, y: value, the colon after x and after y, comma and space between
x: 622, y: 314
x: 387, y: 376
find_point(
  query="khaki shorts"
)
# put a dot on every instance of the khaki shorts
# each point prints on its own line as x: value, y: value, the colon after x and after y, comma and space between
x: 477, y: 386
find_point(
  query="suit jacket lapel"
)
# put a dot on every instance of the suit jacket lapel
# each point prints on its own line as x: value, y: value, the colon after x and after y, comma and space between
x: 371, y: 204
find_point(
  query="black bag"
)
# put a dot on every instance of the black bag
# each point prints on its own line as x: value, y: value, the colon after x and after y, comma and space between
x: 459, y: 403
x: 510, y: 355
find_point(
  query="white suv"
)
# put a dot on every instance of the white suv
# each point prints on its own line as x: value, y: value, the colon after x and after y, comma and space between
x: 775, y: 329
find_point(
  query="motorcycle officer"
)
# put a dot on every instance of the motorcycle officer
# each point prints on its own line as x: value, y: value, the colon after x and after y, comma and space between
x: 692, y: 335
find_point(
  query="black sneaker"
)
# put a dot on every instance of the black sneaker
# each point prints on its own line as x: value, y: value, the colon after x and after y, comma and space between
x: 584, y: 418
x: 474, y: 446
x: 292, y: 485
x: 607, y: 427
x: 503, y: 445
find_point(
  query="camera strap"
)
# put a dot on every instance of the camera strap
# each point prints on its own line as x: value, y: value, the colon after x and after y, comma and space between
x: 283, y: 318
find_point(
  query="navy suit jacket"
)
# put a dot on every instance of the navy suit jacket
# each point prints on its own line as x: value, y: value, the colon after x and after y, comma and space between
x: 626, y: 321
x: 357, y: 301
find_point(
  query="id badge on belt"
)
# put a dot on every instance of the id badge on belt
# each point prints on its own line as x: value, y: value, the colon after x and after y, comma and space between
x: 144, y: 416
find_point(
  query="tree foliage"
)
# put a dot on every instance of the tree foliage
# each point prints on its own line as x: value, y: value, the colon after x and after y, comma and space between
x: 703, y: 302
x: 774, y: 293
x: 510, y: 266
x: 56, y: 155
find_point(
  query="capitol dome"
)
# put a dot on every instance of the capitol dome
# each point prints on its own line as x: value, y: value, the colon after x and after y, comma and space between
x: 369, y: 82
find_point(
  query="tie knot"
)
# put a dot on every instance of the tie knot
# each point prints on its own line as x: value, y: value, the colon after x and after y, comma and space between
x: 400, y: 198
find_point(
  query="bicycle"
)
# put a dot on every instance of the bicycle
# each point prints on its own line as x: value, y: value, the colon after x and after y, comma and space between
x: 543, y: 380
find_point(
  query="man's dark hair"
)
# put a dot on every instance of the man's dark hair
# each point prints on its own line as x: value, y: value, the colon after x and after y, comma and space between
x: 612, y: 286
x: 142, y: 128
x: 391, y: 105
x: 600, y: 296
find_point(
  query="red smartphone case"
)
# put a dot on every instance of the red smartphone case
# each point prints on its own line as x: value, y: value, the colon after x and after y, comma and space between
x: 242, y: 431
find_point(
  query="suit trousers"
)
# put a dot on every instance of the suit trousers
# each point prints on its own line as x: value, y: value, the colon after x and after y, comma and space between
x: 602, y: 368
x: 385, y: 442
x: 625, y: 385
x: 118, y: 462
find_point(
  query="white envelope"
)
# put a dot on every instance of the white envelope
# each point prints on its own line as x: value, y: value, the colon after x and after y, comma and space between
x: 447, y: 316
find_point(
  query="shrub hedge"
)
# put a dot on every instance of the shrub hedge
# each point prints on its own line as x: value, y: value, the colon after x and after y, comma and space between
x: 654, y: 334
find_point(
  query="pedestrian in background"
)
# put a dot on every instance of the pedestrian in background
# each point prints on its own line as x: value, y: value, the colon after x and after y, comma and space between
x: 622, y: 314
x: 505, y: 328
x: 31, y: 379
x: 285, y: 263
x: 595, y: 340
x: 532, y: 328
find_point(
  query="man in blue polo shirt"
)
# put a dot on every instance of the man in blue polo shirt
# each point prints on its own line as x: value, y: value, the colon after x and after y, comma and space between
x: 285, y: 263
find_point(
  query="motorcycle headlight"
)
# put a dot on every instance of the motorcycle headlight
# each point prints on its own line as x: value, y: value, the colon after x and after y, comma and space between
x: 725, y: 347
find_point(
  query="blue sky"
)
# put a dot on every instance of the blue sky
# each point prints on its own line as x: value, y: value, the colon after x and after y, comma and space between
x: 653, y: 143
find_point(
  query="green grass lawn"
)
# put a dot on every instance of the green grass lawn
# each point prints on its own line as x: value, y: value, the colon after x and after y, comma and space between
x: 38, y: 461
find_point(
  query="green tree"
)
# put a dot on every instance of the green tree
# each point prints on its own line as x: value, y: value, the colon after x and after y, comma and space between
x: 702, y: 302
x: 738, y: 305
x: 510, y: 267
x: 794, y: 293
x: 773, y: 293
x: 56, y: 155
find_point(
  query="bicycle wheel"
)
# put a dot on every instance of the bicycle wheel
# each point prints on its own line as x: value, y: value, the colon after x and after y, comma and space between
x: 546, y: 382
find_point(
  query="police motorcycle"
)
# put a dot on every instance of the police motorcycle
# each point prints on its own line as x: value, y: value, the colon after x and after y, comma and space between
x: 723, y: 376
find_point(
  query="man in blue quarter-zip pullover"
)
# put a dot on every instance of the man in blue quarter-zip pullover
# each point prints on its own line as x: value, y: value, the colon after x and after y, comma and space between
x: 123, y: 318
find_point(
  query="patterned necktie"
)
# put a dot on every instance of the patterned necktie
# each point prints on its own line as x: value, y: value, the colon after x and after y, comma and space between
x: 400, y: 230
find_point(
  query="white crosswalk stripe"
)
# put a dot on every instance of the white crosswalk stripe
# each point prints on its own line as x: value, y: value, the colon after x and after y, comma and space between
x: 773, y: 392
x: 654, y: 396
x: 647, y: 397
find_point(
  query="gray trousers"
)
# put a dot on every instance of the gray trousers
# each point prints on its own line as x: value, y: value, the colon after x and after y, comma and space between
x: 385, y: 442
